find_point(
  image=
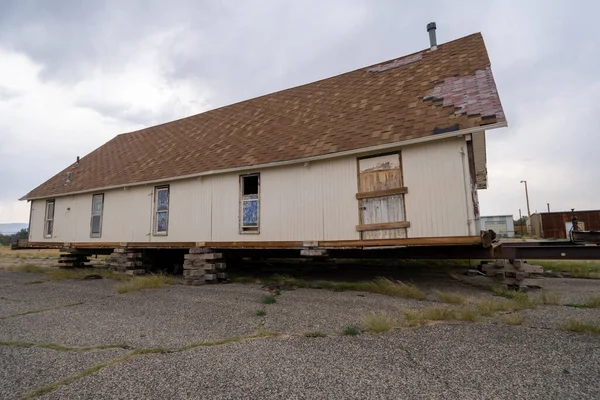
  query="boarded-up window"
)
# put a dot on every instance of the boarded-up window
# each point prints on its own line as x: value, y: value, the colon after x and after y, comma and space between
x: 381, y: 198
x: 250, y: 203
x: 96, y: 220
x: 161, y: 210
x: 49, y: 219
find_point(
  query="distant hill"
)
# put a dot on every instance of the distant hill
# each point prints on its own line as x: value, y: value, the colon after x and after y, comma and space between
x: 9, y: 229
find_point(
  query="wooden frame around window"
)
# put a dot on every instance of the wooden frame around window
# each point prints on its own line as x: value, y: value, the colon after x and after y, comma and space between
x: 49, y: 218
x: 250, y: 203
x: 96, y: 215
x: 161, y: 210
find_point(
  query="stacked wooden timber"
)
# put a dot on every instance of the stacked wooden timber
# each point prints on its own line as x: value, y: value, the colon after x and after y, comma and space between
x: 129, y: 261
x: 512, y: 272
x: 73, y: 258
x: 203, y: 265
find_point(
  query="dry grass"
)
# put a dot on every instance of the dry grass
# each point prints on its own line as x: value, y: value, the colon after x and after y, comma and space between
x: 144, y: 283
x: 467, y: 314
x: 30, y: 268
x: 577, y: 269
x: 554, y: 299
x: 6, y: 252
x: 57, y: 274
x: 379, y: 285
x: 581, y: 327
x: 378, y: 322
x: 593, y: 301
x: 513, y: 319
x: 450, y: 298
x: 489, y: 307
x: 420, y: 317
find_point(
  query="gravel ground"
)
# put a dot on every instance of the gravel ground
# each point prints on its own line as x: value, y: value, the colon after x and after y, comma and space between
x: 19, y: 297
x: 307, y: 310
x: 25, y: 369
x: 170, y: 317
x: 444, y: 360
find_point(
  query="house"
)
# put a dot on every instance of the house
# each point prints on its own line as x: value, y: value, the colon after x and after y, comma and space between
x: 502, y: 225
x: 558, y: 224
x: 392, y: 153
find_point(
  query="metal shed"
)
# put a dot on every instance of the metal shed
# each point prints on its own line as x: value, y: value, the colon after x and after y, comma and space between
x: 503, y: 225
x: 556, y: 225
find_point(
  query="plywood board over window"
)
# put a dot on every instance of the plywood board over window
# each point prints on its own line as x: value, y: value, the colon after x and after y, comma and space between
x: 381, y: 197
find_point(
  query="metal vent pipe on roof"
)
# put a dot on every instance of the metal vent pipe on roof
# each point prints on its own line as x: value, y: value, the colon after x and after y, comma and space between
x: 432, y: 39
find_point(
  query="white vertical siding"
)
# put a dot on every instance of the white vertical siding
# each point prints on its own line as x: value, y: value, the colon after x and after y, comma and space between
x: 435, y: 202
x: 300, y: 202
x: 316, y: 201
x: 189, y: 211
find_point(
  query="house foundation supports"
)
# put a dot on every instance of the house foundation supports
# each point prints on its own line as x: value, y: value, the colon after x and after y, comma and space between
x: 511, y: 272
x: 129, y: 261
x: 73, y: 258
x: 203, y: 265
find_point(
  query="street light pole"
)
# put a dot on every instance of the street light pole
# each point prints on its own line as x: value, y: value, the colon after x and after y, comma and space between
x: 527, y: 197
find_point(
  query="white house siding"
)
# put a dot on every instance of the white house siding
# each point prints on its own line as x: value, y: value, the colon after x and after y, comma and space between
x: 315, y: 201
x: 435, y: 202
x: 303, y: 202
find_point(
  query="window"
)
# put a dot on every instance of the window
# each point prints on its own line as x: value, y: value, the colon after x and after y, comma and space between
x: 161, y: 210
x: 249, y: 207
x: 96, y: 221
x: 49, y: 219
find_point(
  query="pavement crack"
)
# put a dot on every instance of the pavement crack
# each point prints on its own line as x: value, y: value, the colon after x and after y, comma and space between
x: 260, y: 334
x: 60, y: 347
x: 40, y: 311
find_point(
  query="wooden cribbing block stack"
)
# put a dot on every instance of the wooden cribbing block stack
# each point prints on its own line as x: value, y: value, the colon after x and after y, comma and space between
x: 512, y: 272
x: 203, y: 265
x: 129, y: 261
x: 73, y: 258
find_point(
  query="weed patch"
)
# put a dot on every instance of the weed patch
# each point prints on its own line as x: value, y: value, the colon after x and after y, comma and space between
x: 378, y: 322
x: 268, y: 299
x: 378, y: 285
x: 144, y: 283
x: 555, y: 299
x: 30, y: 268
x: 450, y: 298
x: 60, y: 347
x: 593, y: 302
x: 466, y: 314
x: 351, y: 330
x: 581, y: 327
x: 314, y: 334
x: 261, y: 313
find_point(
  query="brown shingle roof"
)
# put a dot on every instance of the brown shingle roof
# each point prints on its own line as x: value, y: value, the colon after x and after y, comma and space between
x: 394, y: 101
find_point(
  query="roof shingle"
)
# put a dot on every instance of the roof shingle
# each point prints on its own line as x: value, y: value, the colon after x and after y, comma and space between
x: 394, y: 101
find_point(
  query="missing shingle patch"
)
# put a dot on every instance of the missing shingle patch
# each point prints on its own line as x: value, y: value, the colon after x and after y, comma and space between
x: 471, y: 95
x: 397, y: 63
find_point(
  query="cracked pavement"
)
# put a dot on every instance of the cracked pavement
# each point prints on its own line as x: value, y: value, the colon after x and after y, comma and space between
x: 443, y: 360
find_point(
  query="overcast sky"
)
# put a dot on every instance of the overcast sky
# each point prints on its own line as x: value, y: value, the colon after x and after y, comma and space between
x: 73, y: 74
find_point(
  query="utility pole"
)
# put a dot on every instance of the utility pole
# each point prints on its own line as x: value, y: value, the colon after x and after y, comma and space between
x: 548, y: 204
x: 528, y: 210
x: 520, y: 222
